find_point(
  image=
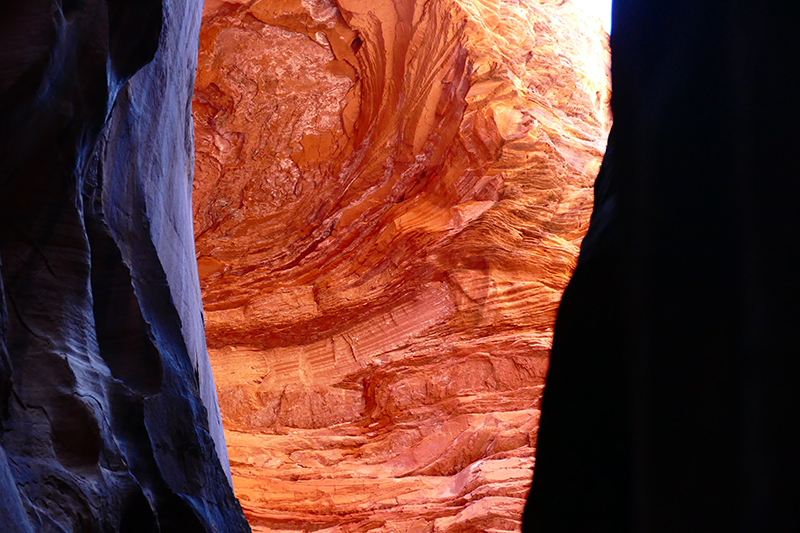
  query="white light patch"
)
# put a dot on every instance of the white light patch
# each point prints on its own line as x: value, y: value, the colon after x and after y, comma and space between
x: 597, y: 8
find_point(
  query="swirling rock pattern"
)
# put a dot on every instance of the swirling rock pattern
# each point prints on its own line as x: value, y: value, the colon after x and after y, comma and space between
x: 108, y: 418
x: 388, y: 203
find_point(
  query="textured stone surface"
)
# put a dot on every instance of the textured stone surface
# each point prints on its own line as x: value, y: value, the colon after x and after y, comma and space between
x: 389, y: 199
x: 108, y: 418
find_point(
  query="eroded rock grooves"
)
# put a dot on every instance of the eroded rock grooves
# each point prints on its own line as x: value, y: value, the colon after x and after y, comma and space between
x: 389, y: 200
x: 108, y: 418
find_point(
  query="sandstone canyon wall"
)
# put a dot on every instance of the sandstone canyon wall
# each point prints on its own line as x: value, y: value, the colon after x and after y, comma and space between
x: 389, y: 200
x: 108, y: 415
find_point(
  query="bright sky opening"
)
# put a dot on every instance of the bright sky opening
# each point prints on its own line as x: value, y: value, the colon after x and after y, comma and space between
x: 597, y: 8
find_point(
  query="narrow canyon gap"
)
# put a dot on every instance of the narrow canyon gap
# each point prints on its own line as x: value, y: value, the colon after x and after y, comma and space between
x: 389, y: 198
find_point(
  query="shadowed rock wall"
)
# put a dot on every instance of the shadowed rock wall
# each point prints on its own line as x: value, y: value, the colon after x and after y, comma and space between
x: 108, y: 416
x: 389, y: 199
x: 672, y: 398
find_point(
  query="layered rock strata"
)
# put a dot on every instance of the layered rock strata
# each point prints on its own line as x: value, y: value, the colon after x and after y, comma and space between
x: 389, y: 200
x: 108, y: 417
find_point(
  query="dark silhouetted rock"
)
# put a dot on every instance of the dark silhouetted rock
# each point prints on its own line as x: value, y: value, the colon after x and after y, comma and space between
x: 672, y: 396
x: 108, y: 415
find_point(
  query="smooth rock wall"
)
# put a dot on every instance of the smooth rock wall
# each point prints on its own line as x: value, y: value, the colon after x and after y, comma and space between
x: 109, y: 419
x: 672, y: 398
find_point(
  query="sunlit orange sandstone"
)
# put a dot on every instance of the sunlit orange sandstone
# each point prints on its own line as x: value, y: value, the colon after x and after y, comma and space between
x: 389, y: 200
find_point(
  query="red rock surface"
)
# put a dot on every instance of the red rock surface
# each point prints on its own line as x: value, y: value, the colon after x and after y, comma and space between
x: 389, y: 200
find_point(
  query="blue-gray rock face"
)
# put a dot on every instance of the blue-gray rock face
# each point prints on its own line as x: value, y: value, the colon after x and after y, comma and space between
x: 108, y: 415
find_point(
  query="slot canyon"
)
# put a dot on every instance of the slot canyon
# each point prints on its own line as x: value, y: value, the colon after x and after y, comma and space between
x: 307, y: 279
x: 389, y: 199
x: 380, y: 204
